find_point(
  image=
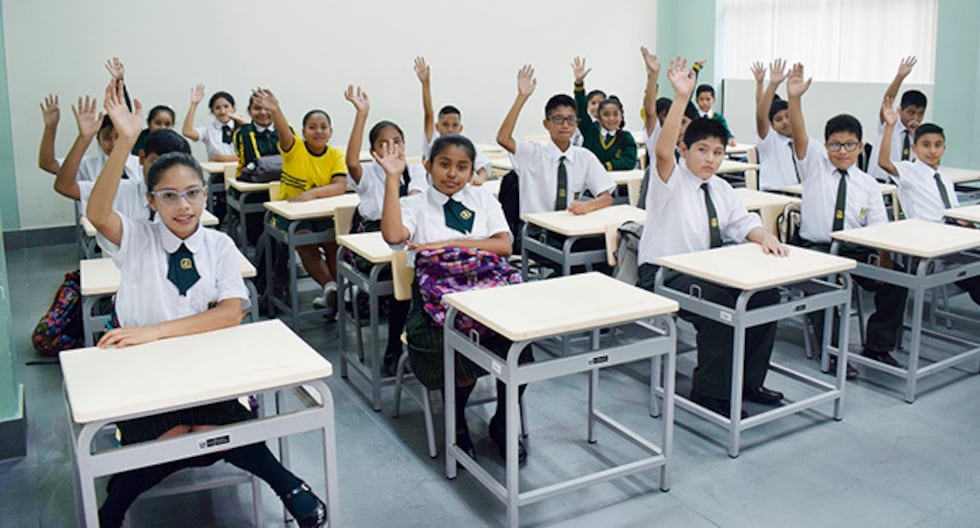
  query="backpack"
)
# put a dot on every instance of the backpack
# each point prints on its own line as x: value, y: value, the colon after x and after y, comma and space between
x: 626, y: 252
x: 262, y: 170
x: 61, y: 327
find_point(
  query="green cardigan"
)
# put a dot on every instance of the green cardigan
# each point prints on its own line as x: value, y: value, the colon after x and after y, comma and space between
x: 617, y: 154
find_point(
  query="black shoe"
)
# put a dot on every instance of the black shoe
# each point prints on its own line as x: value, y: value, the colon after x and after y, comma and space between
x: 314, y: 519
x: 883, y: 357
x: 763, y: 395
x: 715, y: 405
x: 851, y: 371
x: 497, y: 432
x: 390, y: 365
x: 464, y: 442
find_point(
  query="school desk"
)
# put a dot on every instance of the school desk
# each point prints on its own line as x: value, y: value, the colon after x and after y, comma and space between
x: 887, y: 189
x: 105, y: 386
x: 100, y: 280
x: 968, y: 213
x: 746, y: 268
x: 965, y: 181
x: 768, y: 205
x: 294, y: 212
x: 238, y: 204
x: 216, y: 181
x: 373, y: 248
x: 934, y: 256
x: 530, y: 312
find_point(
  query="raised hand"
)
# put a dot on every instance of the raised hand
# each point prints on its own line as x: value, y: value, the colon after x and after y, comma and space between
x: 358, y: 98
x: 128, y: 123
x: 264, y: 98
x: 795, y: 85
x: 905, y: 67
x: 888, y: 111
x: 777, y: 71
x: 422, y: 70
x: 651, y: 61
x: 115, y: 68
x: 50, y: 111
x: 391, y: 158
x: 88, y: 120
x: 579, y: 69
x: 197, y: 94
x: 525, y: 80
x: 758, y: 72
x: 681, y: 77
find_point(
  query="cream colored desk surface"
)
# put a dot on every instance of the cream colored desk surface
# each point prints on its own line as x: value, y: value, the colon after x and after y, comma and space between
x: 492, y: 186
x: 958, y: 175
x: 173, y: 373
x: 917, y: 238
x: 502, y: 163
x: 969, y: 213
x: 217, y: 167
x: 101, y: 276
x: 594, y: 223
x: 371, y: 246
x: 769, y: 205
x: 243, y: 186
x: 319, y: 208
x: 207, y: 220
x: 729, y: 166
x: 746, y: 267
x: 491, y: 148
x: 739, y: 148
x: 559, y: 306
x: 624, y: 177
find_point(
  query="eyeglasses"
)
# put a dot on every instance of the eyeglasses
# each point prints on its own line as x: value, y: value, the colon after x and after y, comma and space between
x: 171, y: 197
x: 560, y: 120
x: 848, y: 147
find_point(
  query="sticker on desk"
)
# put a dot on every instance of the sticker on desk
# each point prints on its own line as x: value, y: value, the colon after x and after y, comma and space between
x: 496, y: 367
x: 726, y: 316
x: 215, y: 442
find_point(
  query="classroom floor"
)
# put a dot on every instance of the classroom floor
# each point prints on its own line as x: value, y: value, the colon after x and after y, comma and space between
x: 887, y: 464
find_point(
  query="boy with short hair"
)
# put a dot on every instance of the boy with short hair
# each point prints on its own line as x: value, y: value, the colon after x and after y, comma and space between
x: 773, y: 141
x: 913, y: 109
x: 837, y: 195
x: 689, y: 209
x: 705, y: 99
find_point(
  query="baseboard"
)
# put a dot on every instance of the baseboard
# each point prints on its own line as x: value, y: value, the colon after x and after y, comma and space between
x: 46, y: 236
x: 13, y: 432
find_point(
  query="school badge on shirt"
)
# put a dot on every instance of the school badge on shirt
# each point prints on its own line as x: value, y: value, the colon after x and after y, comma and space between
x: 186, y: 263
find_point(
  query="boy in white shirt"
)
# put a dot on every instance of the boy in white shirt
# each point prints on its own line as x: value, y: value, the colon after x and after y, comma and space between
x: 774, y: 141
x: 913, y: 109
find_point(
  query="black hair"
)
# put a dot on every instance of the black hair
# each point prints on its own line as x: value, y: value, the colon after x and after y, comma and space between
x: 913, y: 98
x: 220, y: 95
x: 450, y: 109
x: 453, y: 140
x: 251, y: 101
x: 593, y: 93
x: 106, y: 123
x: 663, y: 104
x: 928, y: 128
x: 165, y: 141
x: 559, y: 100
x: 378, y: 127
x: 842, y: 123
x: 704, y: 88
x: 161, y: 108
x: 704, y: 128
x: 777, y: 106
x: 691, y: 111
x: 613, y: 100
x: 314, y: 112
x: 166, y: 161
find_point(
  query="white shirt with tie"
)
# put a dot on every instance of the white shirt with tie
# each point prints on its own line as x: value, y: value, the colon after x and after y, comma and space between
x: 777, y: 161
x: 211, y: 135
x: 899, y: 133
x: 918, y: 192
x: 371, y: 188
x: 425, y: 218
x: 537, y: 169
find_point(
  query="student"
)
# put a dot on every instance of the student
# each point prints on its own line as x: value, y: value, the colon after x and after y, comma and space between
x: 255, y: 139
x: 216, y: 135
x: 155, y: 303
x: 690, y: 209
x: 705, y: 98
x: 369, y: 182
x: 594, y: 97
x: 923, y: 190
x: 605, y: 137
x: 450, y: 121
x: 450, y: 213
x: 837, y: 195
x: 774, y: 137
x: 160, y: 117
x: 653, y: 122
x: 913, y: 109
x: 310, y: 169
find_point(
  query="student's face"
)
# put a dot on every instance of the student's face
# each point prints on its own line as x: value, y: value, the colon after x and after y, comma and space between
x: 161, y: 120
x: 842, y: 159
x: 450, y: 169
x: 182, y: 214
x: 705, y: 101
x: 780, y: 123
x: 388, y: 136
x: 911, y: 116
x: 561, y: 132
x: 449, y: 124
x: 594, y: 105
x: 222, y: 110
x: 930, y: 149
x: 107, y: 139
x: 704, y: 157
x: 610, y: 117
x: 684, y: 122
x: 260, y: 116
x: 317, y: 132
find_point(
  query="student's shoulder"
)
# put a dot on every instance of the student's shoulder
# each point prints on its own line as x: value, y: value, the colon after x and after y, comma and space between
x: 218, y: 241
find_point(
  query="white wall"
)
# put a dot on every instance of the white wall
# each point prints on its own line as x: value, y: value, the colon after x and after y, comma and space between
x: 308, y: 54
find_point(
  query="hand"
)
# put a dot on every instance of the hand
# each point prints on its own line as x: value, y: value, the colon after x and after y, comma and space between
x: 478, y: 178
x: 777, y: 71
x: 888, y: 111
x: 239, y: 120
x: 526, y: 81
x: 358, y: 98
x: 732, y: 142
x: 264, y: 98
x: 423, y: 247
x: 129, y: 336
x: 197, y: 94
x: 392, y: 159
x: 128, y: 123
x: 651, y: 61
x: 579, y: 69
x: 905, y: 67
x: 303, y: 197
x: 771, y: 246
x: 759, y: 72
x: 115, y: 68
x: 86, y: 118
x: 422, y: 70
x: 50, y: 111
x: 795, y: 85
x: 681, y: 78
x: 580, y: 208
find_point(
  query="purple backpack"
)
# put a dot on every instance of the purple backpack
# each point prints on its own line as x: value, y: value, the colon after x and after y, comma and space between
x: 61, y: 327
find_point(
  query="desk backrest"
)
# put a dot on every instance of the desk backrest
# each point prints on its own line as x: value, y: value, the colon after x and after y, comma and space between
x: 402, y: 275
x: 342, y: 219
x: 274, y: 190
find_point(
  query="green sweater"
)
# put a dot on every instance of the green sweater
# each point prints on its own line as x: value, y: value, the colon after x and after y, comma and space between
x: 617, y: 154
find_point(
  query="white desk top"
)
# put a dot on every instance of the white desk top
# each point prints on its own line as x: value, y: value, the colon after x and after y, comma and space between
x: 217, y: 167
x: 797, y: 189
x: 244, y: 186
x: 207, y: 220
x: 183, y: 371
x: 623, y: 177
x: 958, y: 175
x: 371, y: 246
x: 319, y: 208
x: 491, y: 148
x: 970, y: 213
x: 917, y: 238
x: 501, y: 162
x: 558, y: 306
x: 101, y: 277
x: 739, y: 148
x: 729, y: 166
x: 594, y: 223
x: 755, y: 200
x: 746, y: 267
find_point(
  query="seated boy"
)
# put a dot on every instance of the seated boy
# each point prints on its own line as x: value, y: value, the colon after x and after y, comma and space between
x: 690, y: 209
x: 913, y: 109
x: 837, y: 195
x: 774, y: 143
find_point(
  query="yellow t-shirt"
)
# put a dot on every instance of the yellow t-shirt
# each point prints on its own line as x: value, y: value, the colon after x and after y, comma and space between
x: 303, y: 170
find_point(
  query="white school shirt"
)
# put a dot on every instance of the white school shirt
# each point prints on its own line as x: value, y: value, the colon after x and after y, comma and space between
x: 776, y: 161
x: 651, y: 140
x: 91, y: 166
x: 371, y: 188
x: 130, y: 199
x: 538, y: 174
x: 677, y: 217
x: 147, y: 297
x: 481, y: 162
x: 918, y: 193
x: 424, y: 217
x: 865, y: 205
x: 898, y: 138
x: 211, y: 134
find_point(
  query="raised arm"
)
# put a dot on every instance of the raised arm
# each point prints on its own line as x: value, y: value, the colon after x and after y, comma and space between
x: 525, y: 87
x: 650, y: 94
x: 264, y: 98
x: 359, y: 99
x: 796, y: 86
x: 890, y: 116
x: 682, y: 80
x: 428, y: 116
x: 581, y: 102
x: 197, y: 95
x: 777, y: 74
x: 392, y: 228
x: 904, y: 69
x: 50, y: 114
x: 88, y: 122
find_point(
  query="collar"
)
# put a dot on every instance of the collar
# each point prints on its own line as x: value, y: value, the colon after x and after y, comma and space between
x: 195, y: 242
x: 271, y: 127
x: 607, y: 132
x: 553, y: 152
x: 219, y: 125
x: 438, y: 198
x: 921, y: 165
x: 709, y: 114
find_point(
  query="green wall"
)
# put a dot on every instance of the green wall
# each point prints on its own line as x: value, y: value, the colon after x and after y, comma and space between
x: 691, y: 29
x: 8, y: 186
x: 955, y: 104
